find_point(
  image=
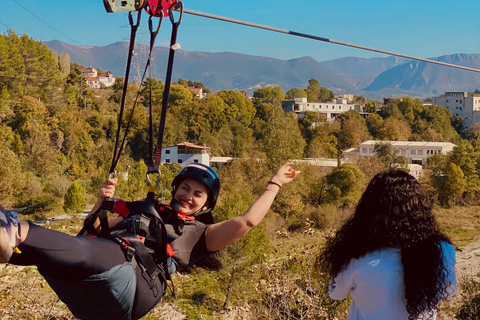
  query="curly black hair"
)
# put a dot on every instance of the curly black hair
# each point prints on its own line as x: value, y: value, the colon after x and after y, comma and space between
x: 394, y: 212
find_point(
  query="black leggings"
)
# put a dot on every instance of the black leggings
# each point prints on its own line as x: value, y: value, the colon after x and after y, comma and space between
x: 64, y: 257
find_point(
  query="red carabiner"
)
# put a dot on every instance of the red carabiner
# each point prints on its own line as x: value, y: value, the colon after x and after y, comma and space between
x: 157, y: 7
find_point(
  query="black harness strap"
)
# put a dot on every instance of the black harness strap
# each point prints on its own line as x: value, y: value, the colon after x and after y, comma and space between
x: 153, y: 167
x: 142, y: 255
x: 134, y: 27
x: 153, y: 36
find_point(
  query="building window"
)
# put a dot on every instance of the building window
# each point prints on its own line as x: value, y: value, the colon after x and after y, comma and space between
x: 167, y: 151
x: 460, y: 101
x: 420, y: 152
x: 456, y: 100
x: 370, y: 150
x: 364, y: 150
x: 195, y: 160
x: 180, y: 161
x: 413, y: 152
x: 404, y: 151
x: 167, y: 160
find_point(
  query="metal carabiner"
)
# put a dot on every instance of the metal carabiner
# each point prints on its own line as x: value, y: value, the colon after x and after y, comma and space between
x: 112, y: 175
x: 154, y: 169
x: 178, y: 7
x: 150, y: 25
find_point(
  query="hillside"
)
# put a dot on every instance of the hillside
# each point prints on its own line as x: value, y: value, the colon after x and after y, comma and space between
x: 218, y: 71
x: 374, y: 78
x: 360, y: 72
x: 429, y: 79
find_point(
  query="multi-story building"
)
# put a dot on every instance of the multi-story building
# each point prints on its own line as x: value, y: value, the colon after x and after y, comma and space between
x: 463, y: 104
x: 186, y: 153
x: 330, y: 109
x: 416, y: 152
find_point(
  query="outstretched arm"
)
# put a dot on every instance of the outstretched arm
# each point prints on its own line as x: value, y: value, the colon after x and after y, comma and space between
x: 222, y: 234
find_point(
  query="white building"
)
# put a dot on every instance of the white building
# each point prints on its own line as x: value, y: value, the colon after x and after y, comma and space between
x: 89, y: 72
x: 463, y: 104
x: 107, y: 79
x: 330, y: 109
x: 416, y: 152
x: 186, y: 153
x: 94, y: 80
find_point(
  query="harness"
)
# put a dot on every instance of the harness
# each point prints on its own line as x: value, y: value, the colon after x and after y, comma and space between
x: 141, y: 234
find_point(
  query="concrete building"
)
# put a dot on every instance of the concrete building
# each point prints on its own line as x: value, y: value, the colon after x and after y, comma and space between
x: 186, y: 153
x: 416, y: 152
x: 330, y: 109
x: 463, y: 104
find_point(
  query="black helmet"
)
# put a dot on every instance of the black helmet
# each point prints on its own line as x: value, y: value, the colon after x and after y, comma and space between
x: 202, y: 173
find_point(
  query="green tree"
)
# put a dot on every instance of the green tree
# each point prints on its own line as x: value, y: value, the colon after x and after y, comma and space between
x: 343, y: 186
x: 296, y: 93
x: 280, y: 135
x: 154, y: 88
x: 353, y: 130
x: 453, y: 185
x: 370, y: 107
x: 374, y: 124
x: 239, y: 107
x: 394, y: 129
x: 74, y: 198
x: 271, y: 94
x: 384, y: 151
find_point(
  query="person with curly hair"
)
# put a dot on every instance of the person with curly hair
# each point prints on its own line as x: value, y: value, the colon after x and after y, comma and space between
x: 391, y: 256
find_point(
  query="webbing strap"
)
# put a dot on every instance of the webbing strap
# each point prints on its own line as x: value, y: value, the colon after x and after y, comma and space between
x: 168, y: 79
x: 133, y: 32
x: 153, y: 36
x: 142, y: 255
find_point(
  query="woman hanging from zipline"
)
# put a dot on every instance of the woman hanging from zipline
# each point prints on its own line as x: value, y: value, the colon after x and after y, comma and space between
x: 97, y: 277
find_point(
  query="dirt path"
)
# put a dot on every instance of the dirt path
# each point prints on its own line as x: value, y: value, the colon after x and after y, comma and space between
x: 468, y: 262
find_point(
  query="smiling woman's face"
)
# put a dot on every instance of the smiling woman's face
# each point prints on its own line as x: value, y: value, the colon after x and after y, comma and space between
x: 192, y: 195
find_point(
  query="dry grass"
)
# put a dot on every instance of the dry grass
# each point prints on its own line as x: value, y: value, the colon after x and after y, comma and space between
x: 461, y: 224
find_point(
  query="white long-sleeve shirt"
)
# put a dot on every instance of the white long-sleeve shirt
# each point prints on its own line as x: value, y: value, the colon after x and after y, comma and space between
x: 375, y: 282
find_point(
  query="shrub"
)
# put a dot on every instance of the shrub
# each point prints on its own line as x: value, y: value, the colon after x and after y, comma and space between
x: 38, y: 204
x: 75, y: 198
x: 470, y: 309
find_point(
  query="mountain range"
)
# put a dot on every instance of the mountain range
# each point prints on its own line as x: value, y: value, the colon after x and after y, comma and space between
x: 374, y: 78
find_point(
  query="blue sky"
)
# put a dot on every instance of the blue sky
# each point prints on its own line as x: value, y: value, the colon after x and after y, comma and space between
x: 420, y: 28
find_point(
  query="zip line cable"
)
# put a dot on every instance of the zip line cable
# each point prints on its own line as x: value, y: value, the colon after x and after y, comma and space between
x: 304, y: 35
x: 5, y: 25
x: 33, y: 14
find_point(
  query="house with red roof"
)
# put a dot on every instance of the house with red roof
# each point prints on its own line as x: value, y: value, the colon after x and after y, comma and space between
x: 186, y: 153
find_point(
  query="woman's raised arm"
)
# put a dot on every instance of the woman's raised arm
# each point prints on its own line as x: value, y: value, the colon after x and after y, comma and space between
x: 222, y: 234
